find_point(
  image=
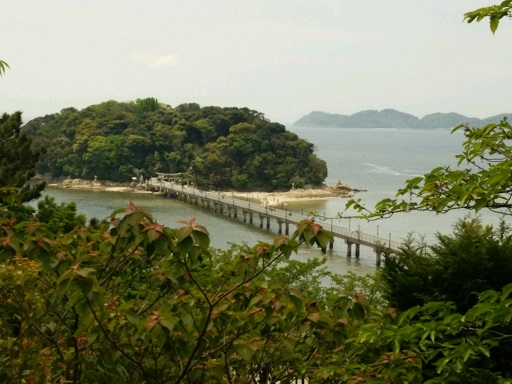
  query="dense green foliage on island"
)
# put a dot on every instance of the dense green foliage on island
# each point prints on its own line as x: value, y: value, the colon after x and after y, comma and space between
x: 390, y: 118
x: 216, y: 147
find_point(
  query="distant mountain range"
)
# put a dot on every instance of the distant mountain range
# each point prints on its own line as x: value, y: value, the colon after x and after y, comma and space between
x: 391, y: 118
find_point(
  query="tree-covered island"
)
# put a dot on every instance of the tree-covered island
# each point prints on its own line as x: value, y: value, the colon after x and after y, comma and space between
x: 221, y: 148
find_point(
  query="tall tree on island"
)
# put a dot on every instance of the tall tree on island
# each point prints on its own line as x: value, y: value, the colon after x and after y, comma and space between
x: 17, y: 158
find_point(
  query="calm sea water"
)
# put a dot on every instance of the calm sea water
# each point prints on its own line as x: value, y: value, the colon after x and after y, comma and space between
x: 376, y: 160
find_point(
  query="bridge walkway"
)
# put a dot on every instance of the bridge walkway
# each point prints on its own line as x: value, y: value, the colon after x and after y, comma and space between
x: 283, y: 217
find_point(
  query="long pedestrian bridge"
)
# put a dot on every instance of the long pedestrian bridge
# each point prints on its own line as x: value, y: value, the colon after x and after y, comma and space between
x: 249, y: 211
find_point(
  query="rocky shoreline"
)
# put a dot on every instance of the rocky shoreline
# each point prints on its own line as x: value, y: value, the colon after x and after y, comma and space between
x: 99, y: 185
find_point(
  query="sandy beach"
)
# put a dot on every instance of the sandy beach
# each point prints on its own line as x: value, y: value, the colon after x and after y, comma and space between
x: 297, y: 194
x: 272, y: 198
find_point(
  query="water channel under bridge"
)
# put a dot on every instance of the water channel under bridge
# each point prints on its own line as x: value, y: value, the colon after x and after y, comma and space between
x: 249, y: 211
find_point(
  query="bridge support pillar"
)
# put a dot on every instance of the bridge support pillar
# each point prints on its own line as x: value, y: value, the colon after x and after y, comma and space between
x: 262, y: 219
x: 245, y: 216
x: 331, y: 245
x: 378, y: 255
x: 357, y: 250
x: 349, y: 248
x: 280, y: 227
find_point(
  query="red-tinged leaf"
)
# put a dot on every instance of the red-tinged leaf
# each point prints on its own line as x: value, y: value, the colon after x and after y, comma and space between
x: 202, y: 229
x: 342, y: 321
x: 6, y: 240
x: 315, y: 228
x: 190, y: 223
x: 303, y: 225
x: 261, y: 249
x: 314, y: 317
x: 158, y: 227
x: 280, y: 240
x: 131, y: 208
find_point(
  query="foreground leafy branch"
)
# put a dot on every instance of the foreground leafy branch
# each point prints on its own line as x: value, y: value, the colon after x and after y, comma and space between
x: 495, y: 13
x: 486, y: 182
x: 131, y: 301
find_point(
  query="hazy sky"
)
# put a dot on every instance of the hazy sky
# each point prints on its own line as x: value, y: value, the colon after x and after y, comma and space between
x: 284, y: 58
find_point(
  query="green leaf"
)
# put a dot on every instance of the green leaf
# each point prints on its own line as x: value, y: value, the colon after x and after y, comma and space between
x: 494, y: 24
x: 323, y: 238
x: 201, y: 239
x: 185, y: 245
x: 183, y: 233
x: 153, y: 235
x: 480, y: 203
x: 132, y: 318
x: 506, y: 291
x: 168, y: 322
x: 432, y: 335
x: 245, y: 352
x: 84, y: 271
x: 484, y: 350
x: 396, y: 346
